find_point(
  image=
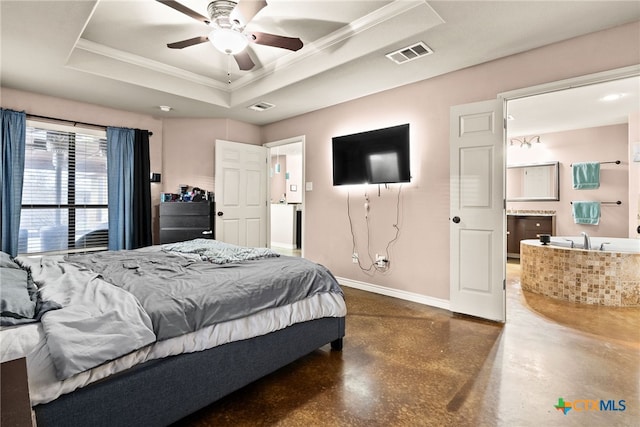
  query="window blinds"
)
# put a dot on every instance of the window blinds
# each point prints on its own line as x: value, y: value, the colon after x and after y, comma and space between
x: 64, y: 199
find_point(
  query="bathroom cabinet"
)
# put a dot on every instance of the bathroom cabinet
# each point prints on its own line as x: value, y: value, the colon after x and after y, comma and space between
x: 523, y: 227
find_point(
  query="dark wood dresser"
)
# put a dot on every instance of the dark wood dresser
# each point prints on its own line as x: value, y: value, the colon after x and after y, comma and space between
x: 180, y: 221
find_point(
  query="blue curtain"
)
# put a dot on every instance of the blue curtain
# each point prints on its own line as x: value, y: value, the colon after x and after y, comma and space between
x: 120, y: 166
x: 141, y: 190
x: 11, y: 177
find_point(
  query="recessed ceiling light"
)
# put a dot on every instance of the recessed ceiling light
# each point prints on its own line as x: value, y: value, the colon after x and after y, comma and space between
x: 612, y: 97
x: 165, y: 108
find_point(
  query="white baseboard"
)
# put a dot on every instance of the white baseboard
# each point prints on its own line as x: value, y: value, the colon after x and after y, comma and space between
x: 396, y: 293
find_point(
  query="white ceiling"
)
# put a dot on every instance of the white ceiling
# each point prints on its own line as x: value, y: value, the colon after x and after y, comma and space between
x: 575, y: 108
x: 113, y: 52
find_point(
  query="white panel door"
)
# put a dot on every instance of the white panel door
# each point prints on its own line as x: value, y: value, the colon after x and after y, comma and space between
x: 477, y: 228
x: 241, y: 193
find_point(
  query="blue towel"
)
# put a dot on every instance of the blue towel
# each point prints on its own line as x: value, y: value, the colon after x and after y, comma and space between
x: 586, y: 175
x: 586, y: 212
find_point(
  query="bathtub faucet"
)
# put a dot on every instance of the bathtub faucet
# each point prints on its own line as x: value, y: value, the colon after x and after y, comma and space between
x: 602, y: 245
x: 587, y: 241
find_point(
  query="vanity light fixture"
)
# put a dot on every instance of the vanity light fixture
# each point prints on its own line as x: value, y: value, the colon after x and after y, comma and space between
x: 524, y: 142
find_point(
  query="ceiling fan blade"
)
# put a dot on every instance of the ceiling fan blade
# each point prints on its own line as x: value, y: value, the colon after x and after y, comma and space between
x: 247, y: 9
x: 244, y: 60
x: 189, y: 42
x: 180, y: 8
x: 291, y: 43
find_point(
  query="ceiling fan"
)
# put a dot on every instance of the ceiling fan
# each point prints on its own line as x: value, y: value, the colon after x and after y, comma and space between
x: 228, y: 20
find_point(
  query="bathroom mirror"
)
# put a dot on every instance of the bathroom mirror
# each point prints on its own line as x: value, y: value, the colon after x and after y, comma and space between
x: 533, y: 182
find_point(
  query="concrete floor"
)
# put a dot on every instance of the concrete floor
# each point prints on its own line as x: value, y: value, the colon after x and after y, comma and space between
x: 406, y: 364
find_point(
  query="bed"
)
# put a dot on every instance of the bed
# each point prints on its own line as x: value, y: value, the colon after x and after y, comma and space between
x: 146, y: 337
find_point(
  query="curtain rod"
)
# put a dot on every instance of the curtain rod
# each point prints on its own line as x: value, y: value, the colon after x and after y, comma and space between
x: 75, y: 122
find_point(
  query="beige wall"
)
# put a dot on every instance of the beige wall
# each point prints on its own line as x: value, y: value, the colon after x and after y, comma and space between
x: 420, y: 256
x: 606, y: 143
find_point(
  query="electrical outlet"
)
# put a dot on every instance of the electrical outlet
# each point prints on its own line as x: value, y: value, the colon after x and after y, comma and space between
x: 381, y: 261
x: 354, y: 257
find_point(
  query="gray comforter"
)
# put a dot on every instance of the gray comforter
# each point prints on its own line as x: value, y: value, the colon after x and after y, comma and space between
x: 157, y: 295
x: 97, y: 321
x: 183, y: 293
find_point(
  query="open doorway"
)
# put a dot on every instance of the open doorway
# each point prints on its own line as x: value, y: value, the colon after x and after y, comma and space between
x: 581, y: 120
x: 286, y: 195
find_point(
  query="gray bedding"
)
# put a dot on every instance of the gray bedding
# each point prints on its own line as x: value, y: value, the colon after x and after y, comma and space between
x: 112, y: 303
x: 97, y: 321
x: 182, y: 294
x: 20, y: 301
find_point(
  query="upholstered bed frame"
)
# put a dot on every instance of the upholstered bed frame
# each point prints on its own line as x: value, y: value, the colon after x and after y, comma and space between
x: 160, y: 392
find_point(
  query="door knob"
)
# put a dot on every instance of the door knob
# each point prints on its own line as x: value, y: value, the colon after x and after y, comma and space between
x: 220, y: 213
x: 456, y: 219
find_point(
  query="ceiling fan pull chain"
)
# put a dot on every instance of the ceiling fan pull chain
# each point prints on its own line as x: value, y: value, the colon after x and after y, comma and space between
x: 229, y: 67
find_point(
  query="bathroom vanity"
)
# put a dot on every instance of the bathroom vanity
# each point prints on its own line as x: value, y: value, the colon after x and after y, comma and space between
x: 525, y: 225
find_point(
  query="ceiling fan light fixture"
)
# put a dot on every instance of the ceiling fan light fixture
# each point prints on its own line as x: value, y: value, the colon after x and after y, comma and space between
x: 228, y: 41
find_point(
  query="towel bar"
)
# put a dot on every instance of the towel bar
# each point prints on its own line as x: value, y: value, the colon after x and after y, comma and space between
x: 617, y: 162
x: 617, y: 202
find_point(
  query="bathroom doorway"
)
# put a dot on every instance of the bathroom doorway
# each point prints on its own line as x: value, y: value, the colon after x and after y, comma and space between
x: 286, y: 195
x: 567, y: 122
x: 555, y: 122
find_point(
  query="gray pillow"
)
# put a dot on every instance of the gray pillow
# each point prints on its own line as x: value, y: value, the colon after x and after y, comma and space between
x: 7, y: 261
x: 14, y: 293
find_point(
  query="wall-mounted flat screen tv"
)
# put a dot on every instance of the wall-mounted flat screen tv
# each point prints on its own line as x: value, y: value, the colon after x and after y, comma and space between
x: 374, y: 157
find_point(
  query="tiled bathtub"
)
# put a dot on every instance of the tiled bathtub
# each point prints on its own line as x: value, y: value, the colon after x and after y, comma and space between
x: 606, y: 277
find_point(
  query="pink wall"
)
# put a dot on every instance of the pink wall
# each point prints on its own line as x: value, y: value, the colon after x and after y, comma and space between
x: 420, y: 256
x: 189, y: 147
x: 278, y: 181
x: 606, y: 143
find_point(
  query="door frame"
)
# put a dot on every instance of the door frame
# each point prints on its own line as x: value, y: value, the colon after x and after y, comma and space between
x: 271, y: 145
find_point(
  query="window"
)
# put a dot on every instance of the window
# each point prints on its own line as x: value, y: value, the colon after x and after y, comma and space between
x: 64, y: 197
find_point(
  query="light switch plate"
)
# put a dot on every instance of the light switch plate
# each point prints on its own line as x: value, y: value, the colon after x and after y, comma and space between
x: 308, y: 186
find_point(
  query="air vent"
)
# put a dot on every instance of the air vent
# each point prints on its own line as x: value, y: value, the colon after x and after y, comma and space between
x: 261, y: 106
x: 409, y: 53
